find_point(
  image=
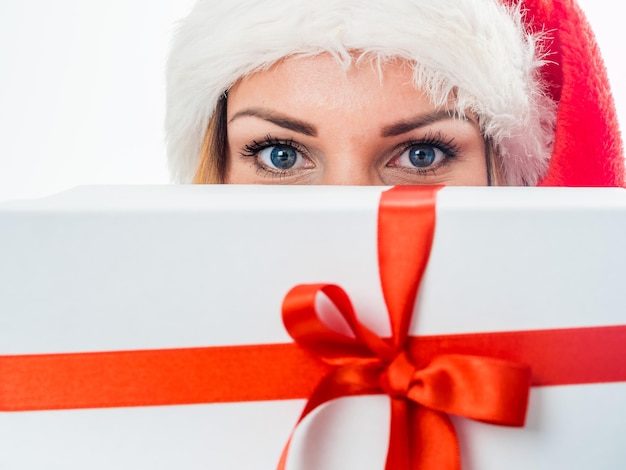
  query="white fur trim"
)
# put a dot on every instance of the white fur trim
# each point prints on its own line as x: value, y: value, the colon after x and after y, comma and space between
x: 478, y: 49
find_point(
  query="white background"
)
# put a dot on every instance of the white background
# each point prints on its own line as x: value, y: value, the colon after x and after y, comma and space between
x: 82, y: 89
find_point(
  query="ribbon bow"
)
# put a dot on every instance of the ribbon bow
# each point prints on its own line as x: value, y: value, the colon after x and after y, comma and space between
x: 421, y: 395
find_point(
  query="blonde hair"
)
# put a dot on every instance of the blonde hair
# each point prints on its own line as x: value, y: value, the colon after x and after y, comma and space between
x: 213, y: 154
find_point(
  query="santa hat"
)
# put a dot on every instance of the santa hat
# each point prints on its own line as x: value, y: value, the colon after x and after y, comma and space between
x: 510, y: 64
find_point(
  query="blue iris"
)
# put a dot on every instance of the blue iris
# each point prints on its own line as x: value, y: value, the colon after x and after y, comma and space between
x: 422, y: 155
x: 283, y: 157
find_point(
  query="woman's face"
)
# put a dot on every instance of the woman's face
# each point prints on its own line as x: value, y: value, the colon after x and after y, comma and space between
x: 307, y: 121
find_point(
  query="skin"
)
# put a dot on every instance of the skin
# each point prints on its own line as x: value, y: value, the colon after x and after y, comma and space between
x: 350, y: 128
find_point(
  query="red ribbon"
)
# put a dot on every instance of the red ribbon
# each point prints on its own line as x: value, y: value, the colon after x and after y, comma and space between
x: 476, y: 387
x: 569, y: 356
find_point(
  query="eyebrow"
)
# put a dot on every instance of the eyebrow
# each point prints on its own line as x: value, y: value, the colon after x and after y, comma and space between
x: 406, y: 125
x: 279, y: 119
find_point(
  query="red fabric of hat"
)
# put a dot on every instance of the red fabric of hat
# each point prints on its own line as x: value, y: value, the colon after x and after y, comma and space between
x: 588, y: 149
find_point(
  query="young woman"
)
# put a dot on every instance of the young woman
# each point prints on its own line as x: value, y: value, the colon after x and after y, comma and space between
x: 462, y: 92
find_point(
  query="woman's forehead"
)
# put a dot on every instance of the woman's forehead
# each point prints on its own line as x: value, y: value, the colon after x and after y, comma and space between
x: 321, y: 83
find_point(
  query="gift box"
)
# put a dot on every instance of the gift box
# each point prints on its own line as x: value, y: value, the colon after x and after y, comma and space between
x: 158, y: 327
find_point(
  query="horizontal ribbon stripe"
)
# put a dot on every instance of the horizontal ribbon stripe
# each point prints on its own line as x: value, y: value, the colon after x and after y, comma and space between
x: 569, y: 356
x: 156, y: 377
x: 280, y: 371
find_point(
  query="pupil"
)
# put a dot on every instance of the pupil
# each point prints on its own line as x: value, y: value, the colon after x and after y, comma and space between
x: 422, y: 156
x: 283, y: 157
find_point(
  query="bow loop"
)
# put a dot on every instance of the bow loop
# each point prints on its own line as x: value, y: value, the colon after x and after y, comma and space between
x: 479, y: 388
x: 303, y: 322
x: 474, y: 387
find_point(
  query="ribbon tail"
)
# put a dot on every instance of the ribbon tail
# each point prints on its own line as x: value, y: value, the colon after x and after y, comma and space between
x: 433, y: 441
x: 398, y: 451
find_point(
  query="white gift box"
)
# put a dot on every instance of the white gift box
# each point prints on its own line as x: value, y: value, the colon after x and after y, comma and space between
x: 135, y: 268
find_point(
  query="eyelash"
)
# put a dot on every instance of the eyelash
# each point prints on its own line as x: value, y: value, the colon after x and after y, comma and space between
x: 433, y: 139
x: 252, y: 150
x: 437, y: 140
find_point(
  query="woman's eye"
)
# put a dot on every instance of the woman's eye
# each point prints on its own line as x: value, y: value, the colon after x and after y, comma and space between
x: 281, y: 157
x: 420, y: 156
